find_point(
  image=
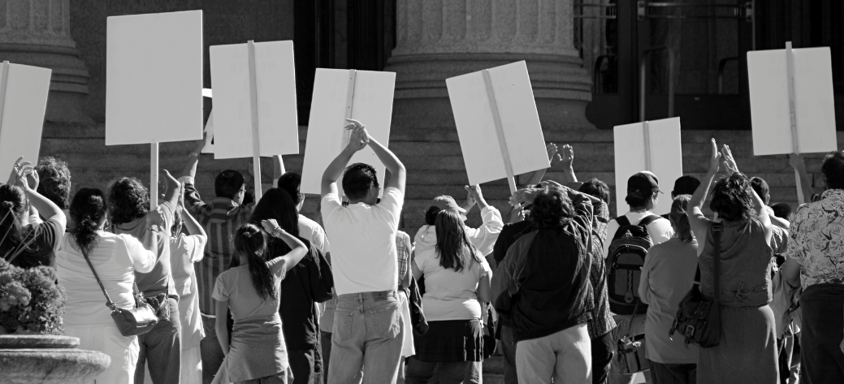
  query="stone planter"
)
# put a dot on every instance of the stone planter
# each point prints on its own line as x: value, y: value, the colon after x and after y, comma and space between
x: 47, y: 360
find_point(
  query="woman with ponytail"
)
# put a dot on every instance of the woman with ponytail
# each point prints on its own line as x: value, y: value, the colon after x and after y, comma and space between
x: 256, y: 351
x: 667, y: 275
x: 25, y: 240
x: 115, y: 258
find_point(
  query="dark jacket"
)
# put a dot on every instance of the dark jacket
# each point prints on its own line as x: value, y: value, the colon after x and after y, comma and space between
x: 542, y: 285
x: 307, y: 283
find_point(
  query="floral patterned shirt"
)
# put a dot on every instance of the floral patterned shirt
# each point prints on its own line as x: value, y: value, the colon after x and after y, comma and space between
x: 817, y: 239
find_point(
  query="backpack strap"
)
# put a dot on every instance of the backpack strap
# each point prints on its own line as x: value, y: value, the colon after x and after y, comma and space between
x: 622, y: 222
x: 648, y: 220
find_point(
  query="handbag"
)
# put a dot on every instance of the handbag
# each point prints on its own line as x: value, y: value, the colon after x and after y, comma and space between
x: 630, y: 356
x: 130, y: 322
x: 699, y: 319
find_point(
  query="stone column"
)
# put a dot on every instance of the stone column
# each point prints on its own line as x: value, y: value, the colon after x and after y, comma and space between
x: 37, y: 32
x: 437, y: 39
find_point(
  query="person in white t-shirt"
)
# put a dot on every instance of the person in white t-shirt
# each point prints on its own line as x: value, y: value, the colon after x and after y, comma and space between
x: 368, y: 328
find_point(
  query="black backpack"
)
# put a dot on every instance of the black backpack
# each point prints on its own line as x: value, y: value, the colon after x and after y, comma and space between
x: 625, y: 259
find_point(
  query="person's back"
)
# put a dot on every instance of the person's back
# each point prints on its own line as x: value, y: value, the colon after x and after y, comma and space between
x: 364, y: 263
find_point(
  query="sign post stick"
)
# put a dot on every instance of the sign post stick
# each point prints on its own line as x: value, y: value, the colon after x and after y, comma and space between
x: 505, y: 154
x: 350, y: 100
x: 793, y: 114
x: 647, y: 136
x: 4, y: 81
x: 253, y: 98
x: 153, y: 176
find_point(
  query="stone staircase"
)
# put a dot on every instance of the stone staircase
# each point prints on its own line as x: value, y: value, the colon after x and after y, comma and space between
x: 432, y: 156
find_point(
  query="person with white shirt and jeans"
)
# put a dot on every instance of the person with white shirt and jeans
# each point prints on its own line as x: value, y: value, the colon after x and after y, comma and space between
x: 368, y: 328
x: 642, y: 196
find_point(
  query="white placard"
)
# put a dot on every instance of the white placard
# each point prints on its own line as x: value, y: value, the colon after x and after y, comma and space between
x: 154, y: 78
x: 657, y: 148
x: 371, y: 104
x: 813, y: 98
x: 276, y: 90
x: 23, y: 102
x: 476, y: 127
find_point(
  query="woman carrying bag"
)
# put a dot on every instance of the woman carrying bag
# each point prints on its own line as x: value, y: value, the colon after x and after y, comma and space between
x: 747, y: 349
x: 115, y: 259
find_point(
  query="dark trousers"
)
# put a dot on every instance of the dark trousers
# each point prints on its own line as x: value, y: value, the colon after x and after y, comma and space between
x: 162, y: 349
x: 302, y: 364
x: 212, y: 352
x: 325, y: 345
x: 508, y: 351
x: 602, y: 349
x: 673, y: 373
x: 823, y: 319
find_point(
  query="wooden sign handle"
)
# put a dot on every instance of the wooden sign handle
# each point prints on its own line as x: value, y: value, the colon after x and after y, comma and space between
x: 253, y: 101
x: 499, y: 130
x: 4, y: 81
x: 795, y: 145
x: 350, y: 101
x: 646, y: 130
x: 153, y: 176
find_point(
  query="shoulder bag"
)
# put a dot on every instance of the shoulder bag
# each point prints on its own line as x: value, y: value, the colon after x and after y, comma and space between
x: 630, y: 355
x: 130, y: 322
x: 698, y: 318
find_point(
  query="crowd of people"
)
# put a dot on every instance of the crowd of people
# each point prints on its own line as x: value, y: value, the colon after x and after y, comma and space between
x: 256, y: 292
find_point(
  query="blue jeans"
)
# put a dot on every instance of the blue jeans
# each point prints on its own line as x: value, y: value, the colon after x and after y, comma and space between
x: 366, y: 339
x: 162, y: 349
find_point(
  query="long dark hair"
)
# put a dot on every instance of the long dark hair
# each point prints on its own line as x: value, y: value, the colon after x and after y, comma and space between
x: 277, y: 204
x: 249, y: 241
x: 680, y: 220
x: 87, y: 210
x: 452, y: 243
x: 12, y: 207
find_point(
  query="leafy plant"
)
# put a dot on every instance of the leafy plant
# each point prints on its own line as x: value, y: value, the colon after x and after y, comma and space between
x: 31, y: 300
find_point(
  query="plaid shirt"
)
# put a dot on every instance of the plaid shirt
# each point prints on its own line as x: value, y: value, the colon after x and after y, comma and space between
x: 602, y: 320
x: 403, y: 249
x: 220, y: 218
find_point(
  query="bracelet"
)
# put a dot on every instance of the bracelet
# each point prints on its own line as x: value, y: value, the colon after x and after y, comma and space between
x: 277, y: 232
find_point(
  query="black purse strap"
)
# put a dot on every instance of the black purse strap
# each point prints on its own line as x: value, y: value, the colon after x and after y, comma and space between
x: 633, y: 316
x: 109, y: 303
x: 717, y: 228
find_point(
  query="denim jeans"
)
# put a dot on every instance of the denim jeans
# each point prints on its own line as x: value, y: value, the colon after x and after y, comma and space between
x: 508, y: 351
x: 366, y: 338
x: 212, y: 352
x: 420, y: 372
x: 566, y: 356
x: 162, y: 349
x: 673, y: 373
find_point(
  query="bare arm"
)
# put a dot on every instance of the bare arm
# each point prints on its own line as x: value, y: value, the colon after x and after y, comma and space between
x: 357, y: 141
x: 27, y: 178
x: 191, y: 224
x: 398, y: 174
x: 220, y: 325
x: 417, y: 273
x: 297, y: 248
x: 193, y: 157
x: 567, y: 162
x: 174, y: 189
x: 698, y: 222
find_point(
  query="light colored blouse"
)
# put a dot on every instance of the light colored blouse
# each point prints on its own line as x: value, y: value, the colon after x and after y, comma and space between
x: 116, y: 258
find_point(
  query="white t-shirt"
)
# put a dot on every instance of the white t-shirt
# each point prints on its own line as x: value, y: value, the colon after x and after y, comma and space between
x: 116, y: 258
x: 451, y: 295
x: 364, y: 241
x: 309, y: 229
x: 660, y: 229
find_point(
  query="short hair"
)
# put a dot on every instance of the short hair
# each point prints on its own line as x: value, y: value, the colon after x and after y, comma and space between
x: 760, y: 186
x: 551, y: 208
x: 357, y: 178
x: 54, y: 182
x: 833, y: 170
x: 638, y: 202
x: 228, y: 183
x: 597, y: 188
x: 291, y: 183
x: 127, y: 200
x: 781, y: 210
x: 731, y: 199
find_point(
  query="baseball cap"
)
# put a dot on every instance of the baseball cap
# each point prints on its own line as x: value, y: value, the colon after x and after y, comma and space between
x: 447, y: 202
x: 642, y: 185
x: 685, y: 185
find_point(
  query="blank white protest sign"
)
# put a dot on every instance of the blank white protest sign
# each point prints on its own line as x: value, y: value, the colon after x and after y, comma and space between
x: 154, y: 78
x: 23, y: 102
x: 813, y: 99
x: 479, y: 140
x: 653, y: 146
x: 278, y: 128
x: 371, y: 103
